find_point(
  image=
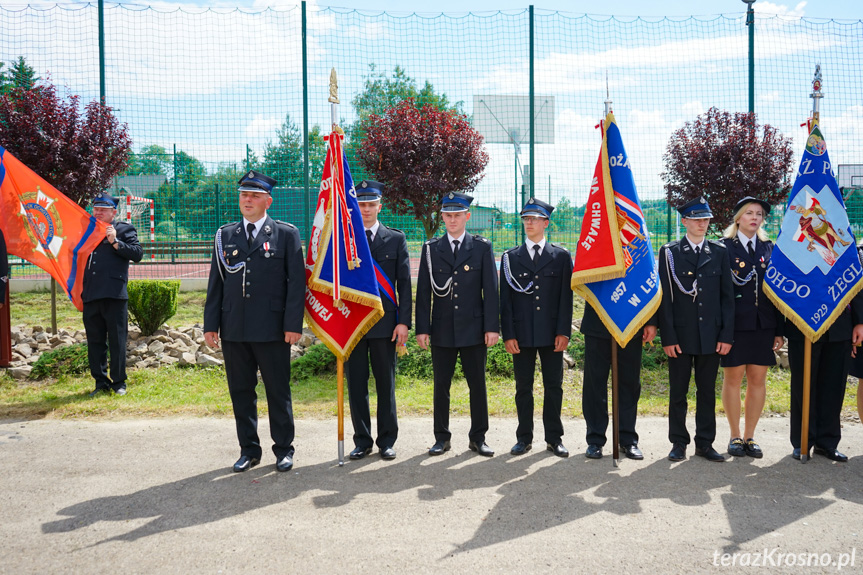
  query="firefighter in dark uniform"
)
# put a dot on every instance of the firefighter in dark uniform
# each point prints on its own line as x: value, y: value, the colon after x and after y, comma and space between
x: 4, y: 270
x: 390, y: 250
x: 696, y: 324
x: 831, y: 359
x: 254, y: 305
x: 536, y: 318
x: 597, y: 366
x: 457, y: 314
x: 106, y: 301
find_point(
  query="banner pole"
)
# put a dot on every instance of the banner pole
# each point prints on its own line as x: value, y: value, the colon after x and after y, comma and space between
x: 807, y: 383
x: 615, y: 408
x: 340, y: 376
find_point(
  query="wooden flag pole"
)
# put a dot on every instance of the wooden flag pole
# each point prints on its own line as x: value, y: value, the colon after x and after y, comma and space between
x: 807, y: 384
x: 615, y: 407
x: 340, y: 375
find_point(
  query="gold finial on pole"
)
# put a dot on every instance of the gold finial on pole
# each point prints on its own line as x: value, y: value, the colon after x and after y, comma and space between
x: 334, y: 88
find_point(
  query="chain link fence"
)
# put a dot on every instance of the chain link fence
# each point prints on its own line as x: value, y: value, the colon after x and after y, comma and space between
x: 210, y: 94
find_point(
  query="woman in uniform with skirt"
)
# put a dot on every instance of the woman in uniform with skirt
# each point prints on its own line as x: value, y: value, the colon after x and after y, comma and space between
x: 758, y: 326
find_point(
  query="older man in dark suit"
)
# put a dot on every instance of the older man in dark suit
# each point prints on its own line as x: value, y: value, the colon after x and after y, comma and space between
x: 536, y: 319
x: 390, y: 251
x: 106, y: 301
x: 254, y: 304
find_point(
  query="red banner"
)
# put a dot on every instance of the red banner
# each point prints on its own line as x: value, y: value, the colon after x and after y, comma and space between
x: 45, y: 227
x: 342, y: 294
x: 599, y: 255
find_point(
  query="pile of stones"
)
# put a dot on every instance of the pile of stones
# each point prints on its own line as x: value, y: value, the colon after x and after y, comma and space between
x: 181, y: 346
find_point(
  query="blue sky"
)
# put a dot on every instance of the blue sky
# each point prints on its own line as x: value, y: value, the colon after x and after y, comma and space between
x: 835, y: 9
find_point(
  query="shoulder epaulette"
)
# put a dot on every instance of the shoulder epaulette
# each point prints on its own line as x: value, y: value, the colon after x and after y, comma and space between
x: 228, y: 225
x: 480, y: 238
x: 718, y: 243
x: 285, y: 223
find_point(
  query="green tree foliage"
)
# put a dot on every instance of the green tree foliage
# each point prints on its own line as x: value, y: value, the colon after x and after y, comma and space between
x: 150, y: 160
x: 19, y: 75
x: 283, y: 159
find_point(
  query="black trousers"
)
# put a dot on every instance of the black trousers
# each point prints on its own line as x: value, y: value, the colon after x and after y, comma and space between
x: 106, y: 322
x: 242, y: 361
x: 381, y: 352
x: 524, y: 364
x: 473, y: 360
x: 827, y: 391
x: 679, y: 372
x: 597, y: 367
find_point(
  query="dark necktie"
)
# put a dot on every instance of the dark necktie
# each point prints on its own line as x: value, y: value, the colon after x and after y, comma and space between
x: 535, y: 254
x: 752, y: 249
x: 369, y: 236
x: 251, y: 229
x: 697, y: 253
x: 455, y: 250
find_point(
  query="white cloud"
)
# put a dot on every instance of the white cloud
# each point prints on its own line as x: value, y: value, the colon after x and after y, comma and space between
x: 780, y: 9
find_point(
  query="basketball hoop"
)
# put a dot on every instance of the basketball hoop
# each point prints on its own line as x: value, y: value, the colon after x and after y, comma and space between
x: 135, y: 208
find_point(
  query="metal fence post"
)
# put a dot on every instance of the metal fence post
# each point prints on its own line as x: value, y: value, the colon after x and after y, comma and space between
x: 101, y: 10
x: 750, y: 21
x: 307, y: 201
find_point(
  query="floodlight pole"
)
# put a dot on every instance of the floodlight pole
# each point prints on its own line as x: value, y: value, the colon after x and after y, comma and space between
x: 750, y: 22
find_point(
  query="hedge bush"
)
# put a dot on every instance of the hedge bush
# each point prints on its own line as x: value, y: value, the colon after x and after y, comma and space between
x: 152, y: 303
x: 67, y: 360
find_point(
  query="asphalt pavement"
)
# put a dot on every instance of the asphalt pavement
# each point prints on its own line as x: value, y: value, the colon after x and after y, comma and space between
x: 158, y: 496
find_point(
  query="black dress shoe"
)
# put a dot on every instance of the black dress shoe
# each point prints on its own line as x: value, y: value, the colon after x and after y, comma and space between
x: 360, y: 452
x: 632, y: 451
x: 832, y: 454
x: 244, y: 463
x: 709, y: 454
x: 439, y: 447
x: 99, y: 390
x: 520, y: 448
x: 678, y: 452
x: 481, y: 448
x: 285, y: 463
x: 558, y: 449
x: 736, y: 447
x: 594, y: 451
x: 388, y: 453
x: 753, y: 449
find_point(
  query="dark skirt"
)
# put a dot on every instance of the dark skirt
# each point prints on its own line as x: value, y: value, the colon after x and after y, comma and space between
x: 751, y: 348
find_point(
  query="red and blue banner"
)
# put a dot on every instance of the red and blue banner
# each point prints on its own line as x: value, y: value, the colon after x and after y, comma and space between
x: 814, y: 270
x: 342, y: 292
x: 45, y: 227
x: 627, y: 292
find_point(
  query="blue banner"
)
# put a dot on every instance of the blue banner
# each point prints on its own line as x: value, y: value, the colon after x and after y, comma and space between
x: 814, y: 270
x: 625, y: 304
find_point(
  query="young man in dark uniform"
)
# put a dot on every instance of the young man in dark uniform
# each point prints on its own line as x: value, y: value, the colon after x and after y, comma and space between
x: 457, y: 314
x: 254, y: 304
x: 696, y: 324
x: 106, y: 301
x: 536, y: 318
x: 390, y: 251
x: 597, y: 366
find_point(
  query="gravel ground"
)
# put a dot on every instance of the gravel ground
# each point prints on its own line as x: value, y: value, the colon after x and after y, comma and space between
x: 158, y: 496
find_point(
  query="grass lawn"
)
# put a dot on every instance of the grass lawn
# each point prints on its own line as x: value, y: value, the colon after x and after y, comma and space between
x: 201, y: 392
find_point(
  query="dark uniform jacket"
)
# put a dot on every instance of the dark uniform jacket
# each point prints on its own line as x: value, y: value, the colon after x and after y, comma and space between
x: 696, y: 324
x: 268, y: 299
x: 535, y: 319
x: 752, y: 309
x: 107, y: 270
x: 591, y: 325
x: 463, y: 317
x: 4, y: 268
x: 390, y: 250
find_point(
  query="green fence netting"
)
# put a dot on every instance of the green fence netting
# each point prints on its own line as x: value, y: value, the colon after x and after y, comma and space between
x: 209, y: 94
